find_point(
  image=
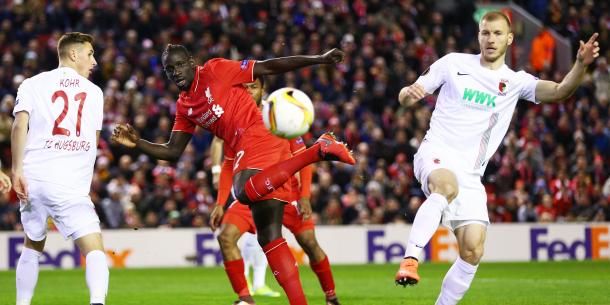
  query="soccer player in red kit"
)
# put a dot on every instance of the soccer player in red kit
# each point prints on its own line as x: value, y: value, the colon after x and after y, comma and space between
x: 238, y: 219
x: 212, y: 96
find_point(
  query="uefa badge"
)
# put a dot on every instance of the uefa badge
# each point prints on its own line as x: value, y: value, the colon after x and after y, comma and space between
x: 503, y: 87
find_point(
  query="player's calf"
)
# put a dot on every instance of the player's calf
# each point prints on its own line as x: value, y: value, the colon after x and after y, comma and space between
x: 407, y: 272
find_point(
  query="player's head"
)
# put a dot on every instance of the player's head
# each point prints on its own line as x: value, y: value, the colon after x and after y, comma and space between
x: 495, y: 36
x: 179, y: 65
x: 75, y: 50
x: 256, y: 89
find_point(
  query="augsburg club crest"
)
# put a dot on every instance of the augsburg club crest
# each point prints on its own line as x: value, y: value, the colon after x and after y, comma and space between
x: 503, y: 87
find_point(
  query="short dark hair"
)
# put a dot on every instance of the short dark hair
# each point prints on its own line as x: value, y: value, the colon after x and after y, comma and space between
x: 496, y: 15
x: 69, y: 39
x: 175, y: 47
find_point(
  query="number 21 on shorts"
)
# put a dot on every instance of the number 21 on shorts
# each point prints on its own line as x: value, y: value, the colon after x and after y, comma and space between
x: 79, y: 97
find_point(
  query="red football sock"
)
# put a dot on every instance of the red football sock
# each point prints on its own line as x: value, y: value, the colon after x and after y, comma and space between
x: 274, y: 176
x: 235, y: 272
x: 285, y: 270
x: 325, y: 276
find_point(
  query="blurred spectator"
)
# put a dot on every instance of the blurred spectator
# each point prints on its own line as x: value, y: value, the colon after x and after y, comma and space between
x: 556, y: 151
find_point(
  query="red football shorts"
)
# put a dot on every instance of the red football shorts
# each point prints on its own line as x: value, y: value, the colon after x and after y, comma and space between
x: 240, y: 216
x: 259, y: 149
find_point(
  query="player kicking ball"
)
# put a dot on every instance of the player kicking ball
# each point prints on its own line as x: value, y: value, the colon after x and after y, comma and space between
x: 58, y: 118
x: 473, y: 111
x: 213, y: 97
x: 238, y: 219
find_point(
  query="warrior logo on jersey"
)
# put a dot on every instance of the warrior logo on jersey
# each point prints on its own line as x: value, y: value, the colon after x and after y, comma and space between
x: 190, y: 112
x: 437, y: 161
x: 502, y: 87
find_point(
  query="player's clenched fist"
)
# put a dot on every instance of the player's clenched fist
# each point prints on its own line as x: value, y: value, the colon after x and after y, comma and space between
x: 411, y: 94
x: 333, y: 56
x: 125, y: 135
x: 216, y: 217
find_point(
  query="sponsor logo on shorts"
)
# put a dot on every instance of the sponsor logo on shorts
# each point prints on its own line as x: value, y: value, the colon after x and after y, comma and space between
x: 437, y: 161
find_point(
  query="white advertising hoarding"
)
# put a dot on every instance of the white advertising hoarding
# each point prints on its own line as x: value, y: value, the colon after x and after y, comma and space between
x: 343, y: 244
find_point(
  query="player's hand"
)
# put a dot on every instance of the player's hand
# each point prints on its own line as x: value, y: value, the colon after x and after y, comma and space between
x: 588, y: 52
x: 125, y: 135
x: 20, y: 186
x: 411, y: 94
x: 333, y: 56
x: 216, y: 217
x: 305, y: 208
x: 5, y: 183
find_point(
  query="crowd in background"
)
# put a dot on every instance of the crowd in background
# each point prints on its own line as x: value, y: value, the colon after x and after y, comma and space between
x: 554, y: 163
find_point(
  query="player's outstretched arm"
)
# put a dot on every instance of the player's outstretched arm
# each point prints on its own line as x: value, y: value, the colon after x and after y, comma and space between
x: 18, y: 138
x: 549, y: 91
x: 285, y: 64
x: 127, y: 136
x: 411, y: 94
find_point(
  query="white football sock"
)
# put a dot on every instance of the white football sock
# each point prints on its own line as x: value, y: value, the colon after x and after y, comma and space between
x: 27, y: 275
x: 425, y: 224
x: 97, y: 276
x: 259, y: 268
x: 456, y: 282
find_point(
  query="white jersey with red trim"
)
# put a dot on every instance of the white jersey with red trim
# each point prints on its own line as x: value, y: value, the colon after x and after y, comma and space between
x: 65, y: 112
x: 474, y: 107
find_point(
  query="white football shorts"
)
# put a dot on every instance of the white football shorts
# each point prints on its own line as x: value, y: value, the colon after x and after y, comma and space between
x: 471, y: 202
x: 74, y: 216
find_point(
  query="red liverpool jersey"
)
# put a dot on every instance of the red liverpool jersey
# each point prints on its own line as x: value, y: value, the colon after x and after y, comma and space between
x: 218, y: 102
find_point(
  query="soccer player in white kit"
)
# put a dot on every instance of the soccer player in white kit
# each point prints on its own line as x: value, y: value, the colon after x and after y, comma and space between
x: 477, y: 99
x: 58, y: 118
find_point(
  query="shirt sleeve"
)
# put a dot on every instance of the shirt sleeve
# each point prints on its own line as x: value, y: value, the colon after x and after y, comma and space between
x: 25, y: 98
x: 297, y: 145
x: 434, y: 76
x: 528, y: 88
x: 231, y: 71
x: 183, y: 124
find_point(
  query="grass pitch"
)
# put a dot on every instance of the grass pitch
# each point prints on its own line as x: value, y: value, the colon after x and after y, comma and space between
x: 496, y: 283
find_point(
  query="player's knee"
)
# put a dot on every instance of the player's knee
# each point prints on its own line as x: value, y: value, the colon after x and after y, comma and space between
x: 472, y: 255
x: 447, y: 189
x: 226, y: 240
x: 444, y: 182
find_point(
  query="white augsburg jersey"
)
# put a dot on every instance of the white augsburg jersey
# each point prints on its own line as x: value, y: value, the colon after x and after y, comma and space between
x: 474, y: 107
x: 65, y: 112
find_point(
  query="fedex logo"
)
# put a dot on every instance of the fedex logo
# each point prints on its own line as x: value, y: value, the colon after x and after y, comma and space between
x: 440, y: 248
x: 206, y: 246
x: 68, y: 258
x: 592, y: 246
x: 72, y: 256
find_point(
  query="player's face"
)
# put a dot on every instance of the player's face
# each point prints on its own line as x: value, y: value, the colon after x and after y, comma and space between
x: 494, y: 39
x: 256, y: 91
x: 85, y: 62
x: 180, y: 69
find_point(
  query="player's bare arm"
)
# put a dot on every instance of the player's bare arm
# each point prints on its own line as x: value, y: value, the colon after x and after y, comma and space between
x: 216, y: 156
x: 127, y: 136
x: 409, y: 95
x: 18, y: 138
x: 285, y: 64
x: 549, y: 91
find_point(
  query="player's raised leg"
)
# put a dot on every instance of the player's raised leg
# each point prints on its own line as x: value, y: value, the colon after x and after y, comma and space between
x: 266, y: 181
x: 443, y: 188
x: 234, y: 264
x: 471, y: 239
x: 26, y: 273
x: 96, y: 273
x: 268, y: 216
x: 318, y: 260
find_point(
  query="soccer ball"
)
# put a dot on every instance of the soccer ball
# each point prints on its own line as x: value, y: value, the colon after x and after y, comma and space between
x: 288, y: 113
